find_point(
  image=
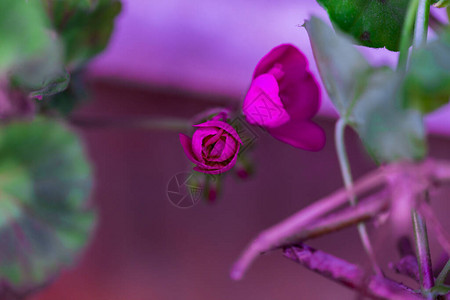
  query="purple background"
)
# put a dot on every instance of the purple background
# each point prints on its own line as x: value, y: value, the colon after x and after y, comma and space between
x: 176, y: 58
x: 212, y: 46
x: 145, y: 248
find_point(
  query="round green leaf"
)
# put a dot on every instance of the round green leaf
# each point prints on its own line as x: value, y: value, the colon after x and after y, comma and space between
x: 373, y: 23
x: 342, y: 68
x: 44, y: 184
x: 43, y: 74
x: 389, y: 131
x: 22, y: 31
x: 427, y: 81
x: 85, y: 26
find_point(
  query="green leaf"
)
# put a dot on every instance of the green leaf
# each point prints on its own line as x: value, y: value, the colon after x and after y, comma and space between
x: 55, y: 85
x: 373, y: 23
x: 44, y: 219
x: 44, y: 74
x: 76, y: 94
x: 427, y: 82
x: 341, y: 66
x: 389, y: 131
x: 60, y: 6
x: 442, y: 3
x: 369, y: 99
x: 85, y: 26
x: 22, y: 31
x: 440, y: 290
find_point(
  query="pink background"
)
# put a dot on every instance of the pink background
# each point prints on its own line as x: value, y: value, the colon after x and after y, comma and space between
x: 176, y: 58
x: 212, y: 46
x: 145, y: 248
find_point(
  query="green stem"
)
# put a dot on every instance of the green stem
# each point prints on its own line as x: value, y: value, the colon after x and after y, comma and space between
x: 407, y: 31
x: 421, y: 27
x: 348, y: 181
x: 342, y: 156
x: 440, y: 280
x: 171, y: 124
x: 423, y: 253
x: 420, y: 228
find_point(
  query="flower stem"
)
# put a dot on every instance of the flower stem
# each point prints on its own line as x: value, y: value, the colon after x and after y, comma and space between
x: 348, y: 274
x: 348, y: 182
x: 165, y: 123
x: 421, y: 26
x: 283, y: 233
x: 423, y: 252
x: 420, y: 228
x: 407, y: 30
x: 443, y: 275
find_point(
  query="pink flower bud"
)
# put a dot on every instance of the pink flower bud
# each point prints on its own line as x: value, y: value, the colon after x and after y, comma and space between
x: 213, y: 148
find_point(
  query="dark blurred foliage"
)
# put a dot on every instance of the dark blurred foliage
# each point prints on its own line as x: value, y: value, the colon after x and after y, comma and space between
x: 45, y: 219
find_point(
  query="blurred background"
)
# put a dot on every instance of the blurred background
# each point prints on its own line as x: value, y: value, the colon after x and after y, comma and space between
x: 175, y: 59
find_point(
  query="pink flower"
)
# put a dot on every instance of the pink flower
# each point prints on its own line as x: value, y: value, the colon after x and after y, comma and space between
x: 214, y: 146
x: 283, y: 97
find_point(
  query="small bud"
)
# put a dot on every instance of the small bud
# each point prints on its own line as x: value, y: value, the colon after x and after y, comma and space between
x: 212, y: 194
x: 211, y: 188
x: 244, y: 168
x: 242, y: 173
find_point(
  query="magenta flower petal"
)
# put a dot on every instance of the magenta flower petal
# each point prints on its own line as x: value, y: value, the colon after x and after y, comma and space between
x: 217, y: 151
x: 301, y: 98
x: 224, y: 149
x: 268, y: 84
x: 186, y: 143
x: 305, y: 135
x: 217, y: 170
x: 287, y: 55
x: 222, y: 125
x: 299, y: 91
x: 285, y: 69
x: 208, y: 170
x: 197, y: 140
x: 262, y: 105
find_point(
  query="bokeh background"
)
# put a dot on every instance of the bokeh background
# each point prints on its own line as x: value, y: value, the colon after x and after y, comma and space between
x: 177, y: 58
